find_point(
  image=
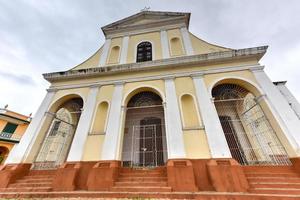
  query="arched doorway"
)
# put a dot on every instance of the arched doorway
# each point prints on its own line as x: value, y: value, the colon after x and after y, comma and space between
x: 3, y: 154
x: 56, y: 145
x: 249, y: 134
x: 144, y: 143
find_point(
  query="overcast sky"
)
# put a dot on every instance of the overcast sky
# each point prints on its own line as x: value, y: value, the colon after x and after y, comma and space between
x: 54, y: 35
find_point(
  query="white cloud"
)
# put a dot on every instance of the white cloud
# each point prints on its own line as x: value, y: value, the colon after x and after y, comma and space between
x: 54, y: 35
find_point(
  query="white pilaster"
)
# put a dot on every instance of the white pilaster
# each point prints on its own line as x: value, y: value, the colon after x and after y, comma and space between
x: 104, y: 53
x: 164, y: 44
x: 111, y: 141
x: 282, y: 111
x: 173, y: 123
x: 124, y: 51
x: 21, y: 150
x: 83, y: 126
x: 187, y: 41
x: 213, y: 128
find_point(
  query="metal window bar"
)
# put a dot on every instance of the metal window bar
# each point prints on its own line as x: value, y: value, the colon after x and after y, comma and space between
x: 249, y: 134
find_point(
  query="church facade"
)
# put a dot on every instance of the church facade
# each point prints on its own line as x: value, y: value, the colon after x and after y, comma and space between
x: 156, y: 100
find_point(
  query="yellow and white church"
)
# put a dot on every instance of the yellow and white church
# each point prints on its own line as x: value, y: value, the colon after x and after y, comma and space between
x: 157, y: 112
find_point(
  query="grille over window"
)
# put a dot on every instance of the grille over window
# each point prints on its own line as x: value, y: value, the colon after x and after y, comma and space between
x: 144, y: 52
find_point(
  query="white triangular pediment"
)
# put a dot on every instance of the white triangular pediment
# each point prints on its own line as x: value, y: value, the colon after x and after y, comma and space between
x: 147, y: 18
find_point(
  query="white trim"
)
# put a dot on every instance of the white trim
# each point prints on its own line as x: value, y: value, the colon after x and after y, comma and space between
x: 68, y: 94
x: 187, y: 41
x: 111, y: 140
x: 83, y: 127
x: 27, y: 141
x: 174, y: 132
x: 125, y: 96
x: 152, y: 45
x: 164, y: 44
x: 124, y: 50
x: 212, y: 85
x: 282, y: 111
x: 104, y: 54
x: 214, y: 131
x: 158, y: 77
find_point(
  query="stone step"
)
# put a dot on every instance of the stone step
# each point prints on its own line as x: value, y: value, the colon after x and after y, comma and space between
x: 296, y: 175
x: 37, y: 177
x: 289, y: 191
x: 141, y: 175
x: 273, y: 179
x: 141, y: 179
x: 34, y: 180
x: 42, y: 184
x: 140, y: 189
x: 268, y: 169
x: 275, y: 185
x: 138, y: 183
x: 28, y: 189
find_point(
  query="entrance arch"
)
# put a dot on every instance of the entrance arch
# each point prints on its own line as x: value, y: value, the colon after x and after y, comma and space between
x: 3, y: 154
x: 250, y: 136
x: 144, y: 143
x: 65, y: 114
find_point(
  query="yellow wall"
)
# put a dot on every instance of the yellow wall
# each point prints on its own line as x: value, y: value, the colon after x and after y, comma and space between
x: 92, y: 61
x: 114, y: 56
x: 195, y: 143
x: 176, y: 49
x: 93, y: 144
x: 93, y: 148
x: 203, y: 47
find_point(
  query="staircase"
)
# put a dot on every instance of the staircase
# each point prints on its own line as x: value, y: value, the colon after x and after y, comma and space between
x: 273, y: 180
x: 35, y: 181
x: 142, y: 180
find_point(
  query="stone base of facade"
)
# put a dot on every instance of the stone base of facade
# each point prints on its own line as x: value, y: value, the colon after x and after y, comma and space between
x: 179, y: 175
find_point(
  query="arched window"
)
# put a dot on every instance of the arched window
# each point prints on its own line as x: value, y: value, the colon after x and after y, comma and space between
x: 144, y: 52
x: 100, y: 120
x: 114, y: 55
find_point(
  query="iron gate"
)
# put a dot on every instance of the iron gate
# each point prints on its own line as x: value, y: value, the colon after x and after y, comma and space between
x: 147, y: 147
x: 249, y: 134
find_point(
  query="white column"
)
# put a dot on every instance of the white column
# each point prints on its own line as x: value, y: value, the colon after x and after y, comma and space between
x: 104, y: 53
x: 282, y: 111
x: 21, y: 150
x: 173, y: 122
x: 82, y: 130
x: 187, y: 41
x: 124, y: 51
x: 164, y: 44
x: 213, y: 128
x: 111, y: 141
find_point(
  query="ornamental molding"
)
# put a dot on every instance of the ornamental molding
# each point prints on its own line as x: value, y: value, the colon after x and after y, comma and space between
x: 216, y: 57
x: 194, y: 74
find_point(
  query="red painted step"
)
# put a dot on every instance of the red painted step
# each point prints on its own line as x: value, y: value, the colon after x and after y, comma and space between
x: 140, y: 189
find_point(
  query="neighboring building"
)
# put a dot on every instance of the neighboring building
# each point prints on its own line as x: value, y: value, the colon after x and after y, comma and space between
x: 12, y: 127
x: 192, y: 115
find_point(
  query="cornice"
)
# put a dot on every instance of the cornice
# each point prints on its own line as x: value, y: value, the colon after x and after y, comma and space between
x: 169, y: 76
x: 256, y: 52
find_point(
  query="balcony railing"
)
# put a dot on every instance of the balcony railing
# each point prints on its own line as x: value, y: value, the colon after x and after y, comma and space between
x: 10, y: 137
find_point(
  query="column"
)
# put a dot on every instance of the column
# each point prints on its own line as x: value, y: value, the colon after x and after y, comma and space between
x: 213, y: 128
x: 164, y: 44
x: 124, y: 50
x: 173, y: 122
x: 23, y: 148
x: 104, y: 53
x: 187, y: 41
x: 82, y: 130
x: 280, y: 108
x: 111, y: 141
